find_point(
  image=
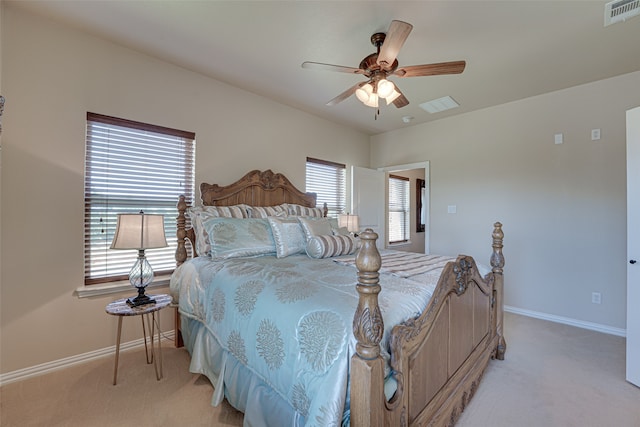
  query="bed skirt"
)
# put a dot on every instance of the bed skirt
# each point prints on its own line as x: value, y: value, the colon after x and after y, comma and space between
x: 262, y: 407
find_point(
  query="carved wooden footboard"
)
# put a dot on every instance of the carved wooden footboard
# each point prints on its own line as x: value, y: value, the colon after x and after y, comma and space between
x: 438, y: 357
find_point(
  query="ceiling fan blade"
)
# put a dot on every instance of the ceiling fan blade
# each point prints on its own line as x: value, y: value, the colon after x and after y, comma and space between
x: 330, y: 67
x: 346, y: 94
x: 454, y: 67
x: 393, y: 41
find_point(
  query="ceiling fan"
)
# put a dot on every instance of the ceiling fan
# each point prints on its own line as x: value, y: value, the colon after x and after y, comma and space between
x: 382, y: 64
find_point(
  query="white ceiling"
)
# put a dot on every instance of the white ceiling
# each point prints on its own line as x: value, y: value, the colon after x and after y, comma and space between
x: 513, y: 49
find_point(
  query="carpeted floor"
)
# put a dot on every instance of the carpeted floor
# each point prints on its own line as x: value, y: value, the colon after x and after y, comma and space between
x: 553, y: 375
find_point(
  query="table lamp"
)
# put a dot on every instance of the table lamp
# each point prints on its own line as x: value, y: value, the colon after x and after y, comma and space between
x: 350, y: 221
x: 140, y: 231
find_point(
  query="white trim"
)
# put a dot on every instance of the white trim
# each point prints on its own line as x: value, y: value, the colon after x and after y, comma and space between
x: 118, y: 287
x: 568, y: 321
x: 425, y: 201
x: 55, y: 365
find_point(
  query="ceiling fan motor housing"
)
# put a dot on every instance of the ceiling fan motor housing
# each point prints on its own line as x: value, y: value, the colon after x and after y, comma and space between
x: 370, y: 65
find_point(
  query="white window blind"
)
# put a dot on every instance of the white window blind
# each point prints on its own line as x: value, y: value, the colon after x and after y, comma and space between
x: 398, y: 209
x: 328, y: 181
x: 129, y: 167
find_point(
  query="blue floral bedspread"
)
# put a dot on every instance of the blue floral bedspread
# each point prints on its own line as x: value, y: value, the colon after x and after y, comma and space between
x: 289, y: 320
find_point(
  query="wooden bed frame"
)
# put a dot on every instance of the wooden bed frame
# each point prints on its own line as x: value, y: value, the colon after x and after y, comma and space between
x: 438, y: 357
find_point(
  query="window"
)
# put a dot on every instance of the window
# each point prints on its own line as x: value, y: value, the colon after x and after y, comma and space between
x: 328, y: 181
x: 130, y: 167
x: 398, y: 209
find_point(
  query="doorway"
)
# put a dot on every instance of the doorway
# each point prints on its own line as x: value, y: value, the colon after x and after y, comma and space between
x: 419, y: 206
x: 369, y: 193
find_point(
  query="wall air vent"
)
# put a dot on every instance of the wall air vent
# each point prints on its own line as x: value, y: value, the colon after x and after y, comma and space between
x: 620, y: 11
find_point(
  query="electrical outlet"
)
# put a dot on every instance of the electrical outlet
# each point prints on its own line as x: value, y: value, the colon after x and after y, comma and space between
x: 595, y: 134
x: 596, y: 297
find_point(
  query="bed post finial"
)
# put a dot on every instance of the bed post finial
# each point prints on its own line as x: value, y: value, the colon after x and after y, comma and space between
x: 497, y: 264
x: 497, y: 259
x: 367, y: 394
x: 181, y: 233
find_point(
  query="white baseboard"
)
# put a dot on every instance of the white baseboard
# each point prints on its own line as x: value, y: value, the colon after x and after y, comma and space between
x: 23, y: 374
x: 44, y: 368
x: 568, y: 321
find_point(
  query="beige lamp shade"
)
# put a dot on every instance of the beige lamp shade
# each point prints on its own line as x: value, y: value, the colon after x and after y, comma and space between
x: 350, y: 221
x: 139, y: 231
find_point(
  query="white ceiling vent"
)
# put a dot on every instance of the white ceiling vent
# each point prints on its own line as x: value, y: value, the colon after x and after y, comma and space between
x: 620, y: 11
x: 440, y: 104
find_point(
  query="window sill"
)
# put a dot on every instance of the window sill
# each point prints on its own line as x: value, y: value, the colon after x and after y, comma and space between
x: 399, y: 245
x: 118, y: 287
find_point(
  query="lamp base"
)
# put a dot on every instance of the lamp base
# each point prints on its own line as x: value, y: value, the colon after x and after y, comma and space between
x: 141, y: 299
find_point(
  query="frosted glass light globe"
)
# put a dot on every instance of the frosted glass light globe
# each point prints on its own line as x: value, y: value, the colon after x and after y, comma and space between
x: 385, y: 88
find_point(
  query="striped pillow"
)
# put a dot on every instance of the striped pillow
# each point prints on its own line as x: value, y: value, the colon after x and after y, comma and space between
x: 267, y: 211
x: 325, y: 246
x: 299, y: 210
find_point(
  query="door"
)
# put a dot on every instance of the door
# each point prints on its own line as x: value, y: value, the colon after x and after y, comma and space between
x: 368, y: 200
x: 633, y: 246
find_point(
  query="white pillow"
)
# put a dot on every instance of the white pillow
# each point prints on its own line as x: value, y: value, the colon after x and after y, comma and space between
x: 315, y: 226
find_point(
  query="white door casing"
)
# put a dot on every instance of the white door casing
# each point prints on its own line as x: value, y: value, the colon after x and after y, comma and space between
x: 633, y: 246
x: 368, y: 200
x: 425, y: 199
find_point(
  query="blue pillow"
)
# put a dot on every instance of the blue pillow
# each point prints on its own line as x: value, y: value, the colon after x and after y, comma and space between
x: 239, y: 237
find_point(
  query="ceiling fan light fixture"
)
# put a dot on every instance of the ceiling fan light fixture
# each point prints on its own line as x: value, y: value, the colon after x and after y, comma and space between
x: 385, y: 88
x: 395, y: 94
x: 372, y: 101
x: 364, y: 92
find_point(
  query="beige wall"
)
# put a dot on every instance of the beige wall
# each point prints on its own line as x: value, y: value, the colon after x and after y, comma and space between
x: 52, y: 76
x: 563, y: 206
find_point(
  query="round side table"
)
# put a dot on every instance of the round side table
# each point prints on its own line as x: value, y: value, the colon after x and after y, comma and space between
x: 121, y: 309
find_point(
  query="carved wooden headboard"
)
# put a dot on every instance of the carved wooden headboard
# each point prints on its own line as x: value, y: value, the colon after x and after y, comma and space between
x: 256, y: 188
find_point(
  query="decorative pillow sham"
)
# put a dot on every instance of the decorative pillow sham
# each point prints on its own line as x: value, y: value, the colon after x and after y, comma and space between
x: 315, y: 226
x: 288, y: 236
x: 236, y: 237
x: 343, y: 231
x: 326, y: 246
x: 267, y: 211
x: 299, y: 210
x: 198, y: 214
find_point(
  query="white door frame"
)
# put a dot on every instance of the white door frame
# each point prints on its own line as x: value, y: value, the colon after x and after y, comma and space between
x: 633, y: 246
x: 425, y: 201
